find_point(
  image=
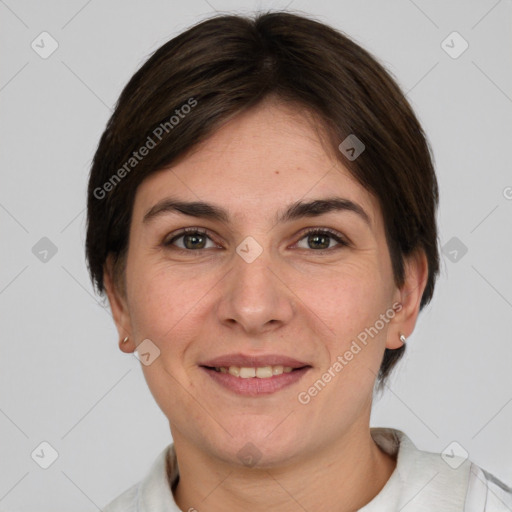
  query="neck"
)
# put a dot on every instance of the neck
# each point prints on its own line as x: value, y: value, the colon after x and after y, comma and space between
x: 344, y: 476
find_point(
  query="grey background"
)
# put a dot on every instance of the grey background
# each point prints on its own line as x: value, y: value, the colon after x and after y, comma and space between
x: 63, y: 379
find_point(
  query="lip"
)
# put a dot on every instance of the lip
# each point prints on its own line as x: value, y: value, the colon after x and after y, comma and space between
x: 255, y: 386
x: 251, y: 361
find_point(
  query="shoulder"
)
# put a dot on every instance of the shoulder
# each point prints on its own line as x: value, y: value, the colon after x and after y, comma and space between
x: 443, y: 481
x: 153, y: 493
x: 124, y: 502
x: 459, y: 480
x: 486, y: 493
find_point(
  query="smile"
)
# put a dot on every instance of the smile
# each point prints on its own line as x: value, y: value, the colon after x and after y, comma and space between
x: 260, y: 372
x: 255, y: 381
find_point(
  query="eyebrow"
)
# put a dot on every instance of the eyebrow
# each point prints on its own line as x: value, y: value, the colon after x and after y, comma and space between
x: 294, y: 211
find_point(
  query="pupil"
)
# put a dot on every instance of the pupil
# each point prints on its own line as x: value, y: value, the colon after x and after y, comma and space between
x: 320, y: 237
x: 193, y: 238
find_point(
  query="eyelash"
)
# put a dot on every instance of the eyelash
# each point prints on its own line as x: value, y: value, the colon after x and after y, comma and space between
x: 311, y: 231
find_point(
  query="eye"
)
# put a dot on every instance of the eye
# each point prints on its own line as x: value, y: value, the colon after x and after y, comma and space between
x: 191, y: 239
x: 320, y: 239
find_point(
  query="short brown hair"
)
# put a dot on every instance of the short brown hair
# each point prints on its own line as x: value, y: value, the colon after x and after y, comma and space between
x: 230, y: 63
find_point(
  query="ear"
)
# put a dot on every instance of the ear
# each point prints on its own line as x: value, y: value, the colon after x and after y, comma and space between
x: 409, y: 296
x: 118, y: 306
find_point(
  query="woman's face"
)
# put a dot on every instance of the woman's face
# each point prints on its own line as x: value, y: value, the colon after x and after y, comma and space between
x: 256, y: 285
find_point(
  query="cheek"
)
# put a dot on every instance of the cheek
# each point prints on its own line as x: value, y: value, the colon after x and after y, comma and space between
x: 350, y: 304
x: 349, y: 300
x: 168, y: 306
x: 158, y: 301
x: 163, y: 310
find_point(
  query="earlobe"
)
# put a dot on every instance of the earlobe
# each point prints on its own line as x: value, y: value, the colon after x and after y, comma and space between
x: 126, y: 347
x: 119, y: 308
x: 410, y: 294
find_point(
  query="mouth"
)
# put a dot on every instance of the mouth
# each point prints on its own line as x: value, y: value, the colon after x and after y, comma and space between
x: 255, y: 375
x: 248, y: 372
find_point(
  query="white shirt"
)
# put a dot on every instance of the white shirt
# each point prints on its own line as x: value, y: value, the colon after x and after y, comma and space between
x: 421, y: 482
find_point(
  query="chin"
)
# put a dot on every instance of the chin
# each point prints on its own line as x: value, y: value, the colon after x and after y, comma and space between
x: 263, y: 446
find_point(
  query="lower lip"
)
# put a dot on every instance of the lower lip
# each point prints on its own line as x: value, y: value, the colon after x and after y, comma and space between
x: 255, y: 386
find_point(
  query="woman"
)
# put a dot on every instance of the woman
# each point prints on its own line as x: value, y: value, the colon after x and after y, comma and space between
x: 261, y: 216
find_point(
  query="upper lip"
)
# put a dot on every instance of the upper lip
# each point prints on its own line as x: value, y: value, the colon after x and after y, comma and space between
x: 253, y: 361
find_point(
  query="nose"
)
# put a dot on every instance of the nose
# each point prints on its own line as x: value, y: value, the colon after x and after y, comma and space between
x: 255, y: 297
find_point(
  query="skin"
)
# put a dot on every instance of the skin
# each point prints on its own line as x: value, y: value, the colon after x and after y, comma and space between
x: 291, y: 300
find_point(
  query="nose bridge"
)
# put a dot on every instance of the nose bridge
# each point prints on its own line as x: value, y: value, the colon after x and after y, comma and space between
x: 252, y: 295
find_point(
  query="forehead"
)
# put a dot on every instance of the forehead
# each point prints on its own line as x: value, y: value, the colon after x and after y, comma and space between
x: 254, y: 164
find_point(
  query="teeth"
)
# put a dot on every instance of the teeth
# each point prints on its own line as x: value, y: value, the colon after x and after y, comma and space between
x: 234, y: 370
x: 262, y: 372
x: 277, y: 370
x: 247, y: 373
